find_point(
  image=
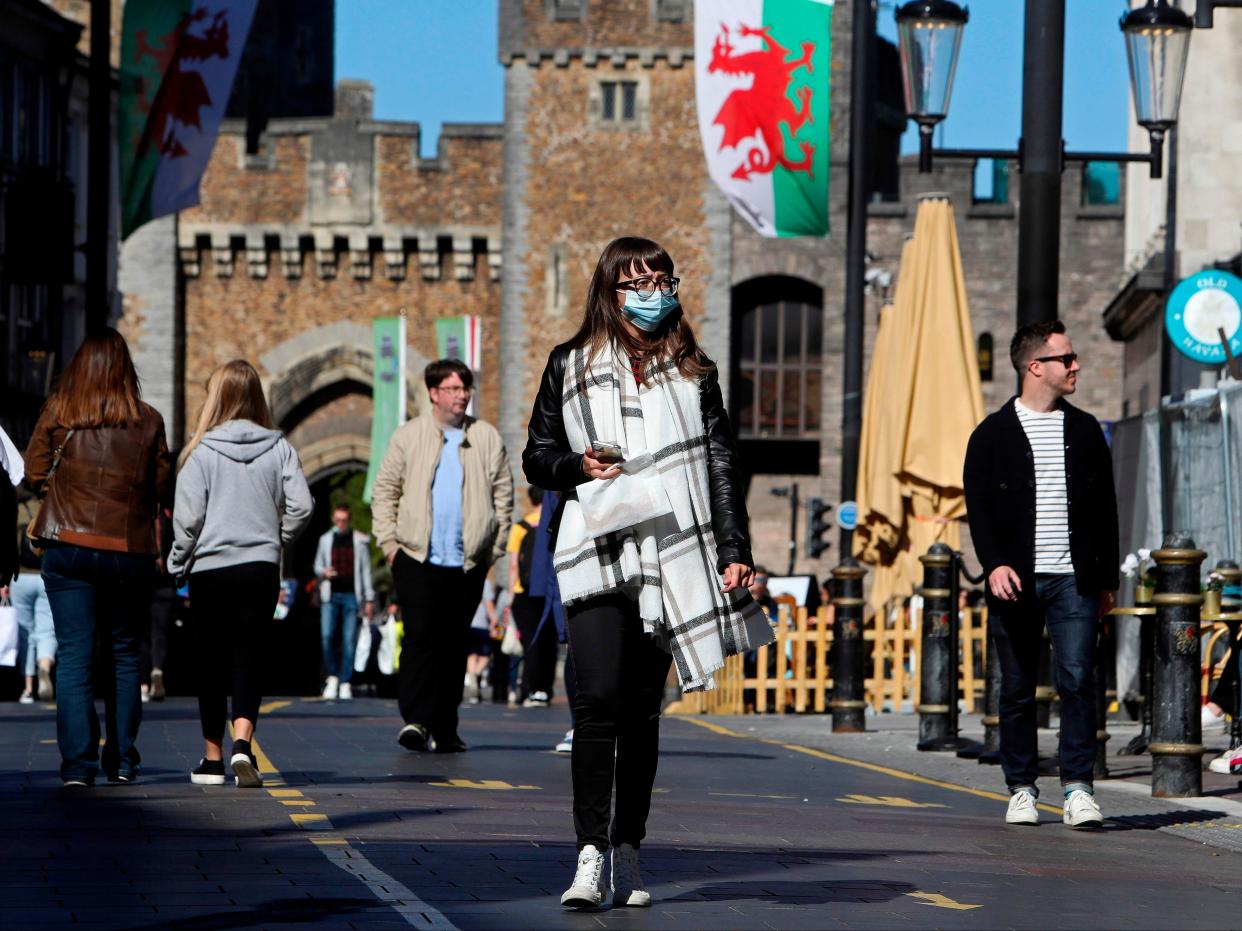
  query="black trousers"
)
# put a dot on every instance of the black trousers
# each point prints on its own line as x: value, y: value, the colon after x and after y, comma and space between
x: 619, y: 672
x: 538, y: 646
x: 232, y: 609
x: 437, y: 606
x: 154, y: 645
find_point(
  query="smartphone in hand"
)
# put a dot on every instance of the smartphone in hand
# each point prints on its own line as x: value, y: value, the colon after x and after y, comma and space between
x: 607, y: 452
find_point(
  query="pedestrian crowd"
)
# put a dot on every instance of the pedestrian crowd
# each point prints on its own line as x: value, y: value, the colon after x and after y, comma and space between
x: 632, y: 548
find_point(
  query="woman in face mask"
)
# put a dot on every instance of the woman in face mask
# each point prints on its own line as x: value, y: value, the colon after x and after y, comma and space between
x: 651, y: 551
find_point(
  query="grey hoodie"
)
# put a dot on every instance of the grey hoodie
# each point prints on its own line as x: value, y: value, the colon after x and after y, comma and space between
x: 240, y: 496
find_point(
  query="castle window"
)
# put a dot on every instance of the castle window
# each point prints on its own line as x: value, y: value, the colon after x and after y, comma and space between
x: 563, y: 11
x: 670, y: 11
x: 777, y: 378
x: 620, y: 101
x: 619, y: 104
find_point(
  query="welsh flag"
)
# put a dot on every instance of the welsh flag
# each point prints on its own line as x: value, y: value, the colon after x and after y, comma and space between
x: 761, y: 78
x: 178, y: 61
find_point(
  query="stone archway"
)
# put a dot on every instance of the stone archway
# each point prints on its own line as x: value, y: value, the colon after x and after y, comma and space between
x: 323, y: 364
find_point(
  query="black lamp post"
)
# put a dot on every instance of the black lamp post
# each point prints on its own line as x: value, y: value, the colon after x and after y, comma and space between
x: 1157, y: 37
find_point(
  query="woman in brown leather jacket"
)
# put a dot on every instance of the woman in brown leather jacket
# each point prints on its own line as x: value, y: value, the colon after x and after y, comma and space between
x: 652, y: 552
x: 99, y: 462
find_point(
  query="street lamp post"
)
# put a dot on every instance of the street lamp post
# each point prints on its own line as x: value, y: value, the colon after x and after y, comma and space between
x: 1157, y: 38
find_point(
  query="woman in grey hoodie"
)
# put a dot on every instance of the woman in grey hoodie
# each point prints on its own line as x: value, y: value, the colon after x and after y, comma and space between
x: 241, y: 496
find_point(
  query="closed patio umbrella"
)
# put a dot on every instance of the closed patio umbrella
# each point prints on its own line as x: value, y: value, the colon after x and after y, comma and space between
x: 924, y: 400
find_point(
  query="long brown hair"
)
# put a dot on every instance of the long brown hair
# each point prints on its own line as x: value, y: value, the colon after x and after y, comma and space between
x: 603, y: 324
x: 99, y: 386
x: 234, y: 392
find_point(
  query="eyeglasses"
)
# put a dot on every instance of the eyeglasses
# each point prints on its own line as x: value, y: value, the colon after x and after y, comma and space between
x: 456, y: 390
x: 647, y: 287
x: 1067, y: 360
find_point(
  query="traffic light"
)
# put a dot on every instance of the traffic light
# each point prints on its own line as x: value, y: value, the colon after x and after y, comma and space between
x: 816, y: 527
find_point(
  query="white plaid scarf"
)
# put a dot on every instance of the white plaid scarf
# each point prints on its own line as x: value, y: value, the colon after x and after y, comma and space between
x: 666, y: 562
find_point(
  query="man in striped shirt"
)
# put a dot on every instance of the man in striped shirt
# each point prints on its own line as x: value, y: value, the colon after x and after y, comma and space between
x: 1043, y: 518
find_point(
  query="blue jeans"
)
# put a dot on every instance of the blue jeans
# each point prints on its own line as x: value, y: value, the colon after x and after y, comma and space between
x: 36, y: 634
x: 94, y: 591
x: 1073, y: 628
x: 341, y: 610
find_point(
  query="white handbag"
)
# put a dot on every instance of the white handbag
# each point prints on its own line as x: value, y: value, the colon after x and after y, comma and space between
x: 8, y: 635
x: 511, y: 645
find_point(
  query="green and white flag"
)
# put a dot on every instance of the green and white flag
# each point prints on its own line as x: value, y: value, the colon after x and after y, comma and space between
x: 178, y: 62
x: 761, y: 79
x: 388, y: 391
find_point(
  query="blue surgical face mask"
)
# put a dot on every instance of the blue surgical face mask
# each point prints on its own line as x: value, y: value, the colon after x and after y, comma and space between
x: 648, y: 313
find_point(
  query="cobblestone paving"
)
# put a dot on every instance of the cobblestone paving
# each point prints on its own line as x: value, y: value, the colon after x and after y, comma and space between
x: 784, y: 827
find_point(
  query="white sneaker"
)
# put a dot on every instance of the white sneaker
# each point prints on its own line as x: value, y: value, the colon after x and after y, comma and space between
x: 590, y: 885
x: 567, y: 743
x: 331, y: 687
x: 27, y: 698
x: 1212, y: 723
x: 345, y: 692
x: 537, y: 700
x: 1082, y: 810
x: 627, y: 882
x: 1221, y: 763
x: 1022, y: 808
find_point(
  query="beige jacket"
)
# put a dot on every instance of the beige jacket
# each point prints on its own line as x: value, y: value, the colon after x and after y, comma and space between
x: 401, y: 498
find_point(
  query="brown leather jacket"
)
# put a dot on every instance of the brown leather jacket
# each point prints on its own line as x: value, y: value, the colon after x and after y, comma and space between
x: 108, y: 488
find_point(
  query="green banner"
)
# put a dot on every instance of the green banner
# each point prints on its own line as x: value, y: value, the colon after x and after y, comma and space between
x: 388, y: 394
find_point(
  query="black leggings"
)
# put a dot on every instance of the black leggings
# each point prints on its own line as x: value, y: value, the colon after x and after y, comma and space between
x: 619, y: 672
x: 232, y: 609
x: 538, y: 645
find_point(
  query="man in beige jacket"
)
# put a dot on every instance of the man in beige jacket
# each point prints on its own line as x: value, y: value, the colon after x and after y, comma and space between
x: 441, y: 510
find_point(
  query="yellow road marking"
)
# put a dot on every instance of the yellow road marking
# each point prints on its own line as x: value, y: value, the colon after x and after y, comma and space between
x: 497, y: 784
x: 311, y: 821
x: 941, y: 901
x: 274, y: 706
x: 859, y: 764
x: 296, y: 801
x: 284, y: 793
x: 892, y: 801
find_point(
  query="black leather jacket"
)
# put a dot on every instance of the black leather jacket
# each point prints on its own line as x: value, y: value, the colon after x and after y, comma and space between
x: 549, y: 462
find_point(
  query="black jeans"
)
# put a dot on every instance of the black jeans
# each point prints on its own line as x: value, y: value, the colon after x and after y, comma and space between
x: 619, y: 672
x: 1073, y: 627
x: 232, y: 609
x: 538, y: 645
x: 437, y: 606
x: 154, y: 645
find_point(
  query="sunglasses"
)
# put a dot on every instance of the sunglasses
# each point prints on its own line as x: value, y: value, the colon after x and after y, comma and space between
x: 1067, y: 360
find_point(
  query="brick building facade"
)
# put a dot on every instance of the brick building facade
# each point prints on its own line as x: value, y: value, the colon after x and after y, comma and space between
x: 320, y: 224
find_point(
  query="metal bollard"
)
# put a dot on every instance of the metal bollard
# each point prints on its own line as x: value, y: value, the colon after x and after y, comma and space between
x: 1176, y: 745
x: 991, y: 702
x: 937, y: 664
x: 848, y: 676
x: 1105, y: 658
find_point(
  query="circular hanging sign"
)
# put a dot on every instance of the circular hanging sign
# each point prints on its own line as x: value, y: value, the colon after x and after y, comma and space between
x: 847, y: 515
x: 1198, y: 309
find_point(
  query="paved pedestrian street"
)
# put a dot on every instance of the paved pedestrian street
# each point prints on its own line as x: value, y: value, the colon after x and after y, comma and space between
x: 746, y: 831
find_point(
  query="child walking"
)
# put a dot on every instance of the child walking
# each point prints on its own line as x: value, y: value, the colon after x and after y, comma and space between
x: 241, y: 496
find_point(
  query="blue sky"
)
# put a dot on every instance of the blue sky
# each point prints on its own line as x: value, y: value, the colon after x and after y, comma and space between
x: 434, y: 61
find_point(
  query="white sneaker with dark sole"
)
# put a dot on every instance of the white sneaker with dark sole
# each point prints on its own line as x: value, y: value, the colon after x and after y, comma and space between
x: 1082, y: 810
x: 1022, y: 808
x: 590, y: 885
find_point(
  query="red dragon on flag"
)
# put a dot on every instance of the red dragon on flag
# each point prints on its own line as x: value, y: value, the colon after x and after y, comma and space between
x: 759, y: 110
x: 182, y: 93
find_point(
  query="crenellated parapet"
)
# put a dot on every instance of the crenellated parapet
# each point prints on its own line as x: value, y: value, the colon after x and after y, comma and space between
x: 379, y: 252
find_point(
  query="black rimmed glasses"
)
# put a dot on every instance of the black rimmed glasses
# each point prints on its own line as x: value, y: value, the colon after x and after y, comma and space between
x: 647, y: 287
x: 1067, y: 359
x: 456, y: 390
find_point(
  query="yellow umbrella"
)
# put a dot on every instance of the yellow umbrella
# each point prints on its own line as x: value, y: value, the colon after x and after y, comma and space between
x: 879, y: 493
x: 924, y: 400
x: 945, y: 399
